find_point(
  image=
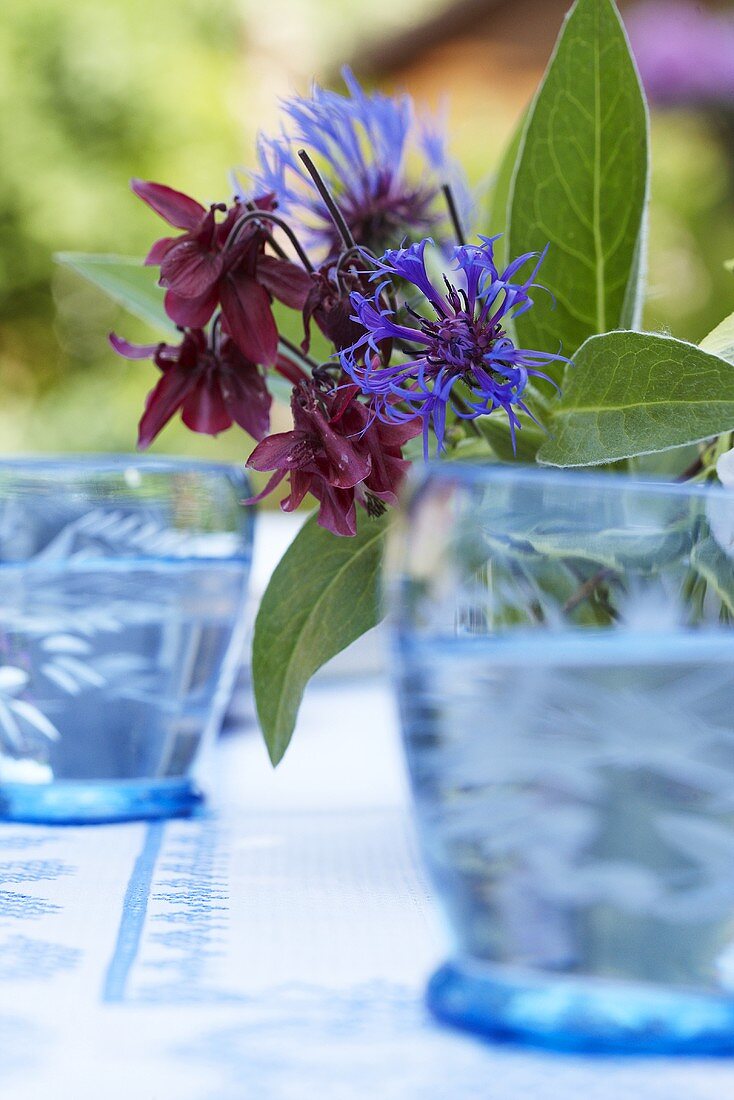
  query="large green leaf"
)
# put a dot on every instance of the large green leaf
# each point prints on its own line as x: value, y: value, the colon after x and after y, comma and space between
x: 633, y: 393
x: 127, y: 281
x: 721, y: 341
x: 581, y: 184
x: 500, y: 198
x: 622, y: 550
x: 323, y: 595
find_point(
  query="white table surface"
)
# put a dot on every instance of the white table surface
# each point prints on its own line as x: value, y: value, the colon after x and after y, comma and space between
x: 275, y: 948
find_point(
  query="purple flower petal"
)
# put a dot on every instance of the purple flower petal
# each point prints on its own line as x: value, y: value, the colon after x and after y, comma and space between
x: 459, y: 357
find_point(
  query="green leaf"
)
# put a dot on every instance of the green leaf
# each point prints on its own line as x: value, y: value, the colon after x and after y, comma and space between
x: 528, y: 439
x: 710, y: 562
x: 323, y: 595
x: 500, y: 198
x: 721, y: 341
x: 582, y: 182
x: 622, y: 550
x: 633, y: 393
x: 127, y: 281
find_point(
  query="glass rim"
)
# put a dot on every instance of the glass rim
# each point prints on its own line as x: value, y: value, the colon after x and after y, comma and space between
x: 480, y: 472
x: 103, y: 462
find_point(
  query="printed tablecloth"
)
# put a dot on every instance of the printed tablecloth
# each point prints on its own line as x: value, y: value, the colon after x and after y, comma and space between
x: 275, y: 947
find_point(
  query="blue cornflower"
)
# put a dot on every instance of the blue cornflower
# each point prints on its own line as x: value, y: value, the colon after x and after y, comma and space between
x: 361, y: 144
x: 463, y: 359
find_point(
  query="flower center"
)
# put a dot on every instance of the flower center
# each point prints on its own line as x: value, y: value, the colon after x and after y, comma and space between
x: 377, y: 210
x: 303, y: 451
x: 459, y: 343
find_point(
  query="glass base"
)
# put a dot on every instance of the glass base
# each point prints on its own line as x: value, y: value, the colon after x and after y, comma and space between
x: 588, y: 1016
x: 65, y: 802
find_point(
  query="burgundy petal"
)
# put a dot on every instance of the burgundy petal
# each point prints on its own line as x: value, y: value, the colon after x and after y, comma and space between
x: 159, y: 250
x: 337, y: 512
x: 336, y: 323
x: 286, y: 281
x: 274, y: 452
x: 190, y: 312
x: 177, y: 209
x: 387, y: 475
x: 397, y: 435
x: 248, y: 401
x: 133, y: 351
x: 204, y: 409
x: 266, y: 201
x: 162, y: 403
x: 347, y: 467
x: 274, y: 481
x: 250, y: 322
x: 300, y: 484
x: 190, y: 270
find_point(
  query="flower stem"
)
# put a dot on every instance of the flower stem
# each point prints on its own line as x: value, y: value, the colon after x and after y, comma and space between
x: 336, y: 215
x: 587, y: 590
x: 293, y: 351
x: 453, y: 210
x: 267, y: 215
x: 290, y: 370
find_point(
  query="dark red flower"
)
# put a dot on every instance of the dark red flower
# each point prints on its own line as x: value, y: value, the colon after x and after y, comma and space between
x: 384, y: 444
x: 211, y: 386
x: 335, y: 453
x: 222, y: 262
x: 329, y: 305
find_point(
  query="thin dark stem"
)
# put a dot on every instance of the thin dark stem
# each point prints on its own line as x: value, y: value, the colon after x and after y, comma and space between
x: 299, y: 353
x: 369, y: 256
x: 453, y: 210
x: 281, y: 252
x: 336, y: 215
x: 587, y: 590
x: 267, y: 215
x: 351, y: 253
x: 691, y: 471
x: 290, y: 370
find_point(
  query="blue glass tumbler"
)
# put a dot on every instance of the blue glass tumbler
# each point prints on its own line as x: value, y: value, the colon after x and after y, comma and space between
x: 122, y: 591
x: 565, y: 662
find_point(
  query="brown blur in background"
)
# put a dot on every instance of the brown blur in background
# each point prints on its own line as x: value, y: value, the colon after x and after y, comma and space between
x: 92, y: 94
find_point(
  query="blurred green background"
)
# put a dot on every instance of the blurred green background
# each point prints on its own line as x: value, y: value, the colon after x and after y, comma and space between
x: 92, y: 94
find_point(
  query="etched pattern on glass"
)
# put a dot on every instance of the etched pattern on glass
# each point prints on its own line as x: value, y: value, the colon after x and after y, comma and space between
x: 112, y: 635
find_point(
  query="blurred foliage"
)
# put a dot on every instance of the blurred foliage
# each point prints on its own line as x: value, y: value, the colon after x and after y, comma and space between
x: 692, y: 223
x: 93, y: 93
x: 90, y: 94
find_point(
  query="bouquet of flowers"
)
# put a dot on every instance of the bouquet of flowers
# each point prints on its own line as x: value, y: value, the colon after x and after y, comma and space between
x: 422, y: 325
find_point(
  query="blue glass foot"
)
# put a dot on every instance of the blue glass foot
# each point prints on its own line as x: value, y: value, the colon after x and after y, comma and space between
x: 66, y: 802
x: 587, y: 1016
